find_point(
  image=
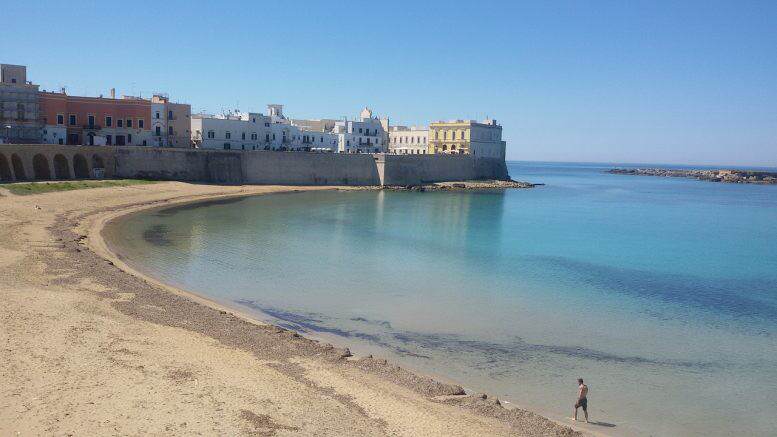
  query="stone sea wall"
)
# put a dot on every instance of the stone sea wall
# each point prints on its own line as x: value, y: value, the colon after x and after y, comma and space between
x: 44, y: 162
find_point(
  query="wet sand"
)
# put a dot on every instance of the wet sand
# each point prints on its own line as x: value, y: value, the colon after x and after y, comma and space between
x: 91, y: 346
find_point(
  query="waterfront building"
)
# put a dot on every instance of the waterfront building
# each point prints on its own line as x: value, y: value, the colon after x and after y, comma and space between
x: 405, y: 140
x: 317, y: 135
x: 170, y: 122
x: 365, y: 135
x: 19, y: 107
x: 467, y: 137
x: 231, y: 131
x: 254, y: 131
x: 314, y: 141
x: 79, y: 120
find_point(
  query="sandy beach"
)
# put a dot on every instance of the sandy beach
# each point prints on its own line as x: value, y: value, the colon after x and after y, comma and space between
x: 91, y: 347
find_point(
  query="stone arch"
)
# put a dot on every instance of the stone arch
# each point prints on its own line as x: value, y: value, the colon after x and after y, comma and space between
x: 18, y: 168
x: 40, y: 166
x: 97, y: 161
x: 80, y: 167
x: 5, y: 169
x: 61, y: 167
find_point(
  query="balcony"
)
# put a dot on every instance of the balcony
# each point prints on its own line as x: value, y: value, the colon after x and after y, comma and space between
x: 92, y: 127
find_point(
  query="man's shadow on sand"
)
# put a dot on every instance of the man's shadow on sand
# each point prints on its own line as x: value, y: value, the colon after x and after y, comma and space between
x: 604, y: 424
x: 594, y: 422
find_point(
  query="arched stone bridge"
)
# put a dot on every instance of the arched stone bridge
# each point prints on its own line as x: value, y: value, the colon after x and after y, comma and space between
x: 54, y: 162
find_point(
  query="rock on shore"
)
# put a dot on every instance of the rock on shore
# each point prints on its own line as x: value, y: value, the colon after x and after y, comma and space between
x: 719, y: 175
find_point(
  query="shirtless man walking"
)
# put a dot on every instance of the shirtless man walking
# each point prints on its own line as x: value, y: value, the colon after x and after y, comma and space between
x: 582, y: 398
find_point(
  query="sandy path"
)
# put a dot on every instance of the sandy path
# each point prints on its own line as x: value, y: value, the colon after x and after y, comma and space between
x: 89, y: 349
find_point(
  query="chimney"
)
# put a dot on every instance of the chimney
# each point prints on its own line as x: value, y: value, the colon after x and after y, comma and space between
x: 113, y: 93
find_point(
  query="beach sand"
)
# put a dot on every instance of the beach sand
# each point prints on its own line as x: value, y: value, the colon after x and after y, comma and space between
x: 91, y: 347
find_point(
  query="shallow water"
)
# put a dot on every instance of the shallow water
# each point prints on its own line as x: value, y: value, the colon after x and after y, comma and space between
x: 661, y: 293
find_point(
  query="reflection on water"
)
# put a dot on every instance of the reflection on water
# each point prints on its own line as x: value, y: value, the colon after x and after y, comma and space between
x: 656, y: 291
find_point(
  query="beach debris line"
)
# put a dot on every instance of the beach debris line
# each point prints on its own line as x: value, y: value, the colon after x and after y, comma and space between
x: 711, y: 175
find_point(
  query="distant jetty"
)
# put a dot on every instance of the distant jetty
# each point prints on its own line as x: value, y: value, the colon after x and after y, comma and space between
x: 463, y: 186
x: 729, y: 176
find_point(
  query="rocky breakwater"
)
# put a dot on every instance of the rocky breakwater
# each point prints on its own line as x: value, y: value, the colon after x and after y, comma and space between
x: 722, y: 175
x: 465, y: 186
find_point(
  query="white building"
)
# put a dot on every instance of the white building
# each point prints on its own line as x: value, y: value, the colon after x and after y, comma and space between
x: 319, y: 141
x: 405, y: 140
x: 233, y: 131
x: 367, y: 135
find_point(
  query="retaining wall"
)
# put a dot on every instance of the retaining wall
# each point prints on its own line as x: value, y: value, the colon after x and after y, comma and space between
x: 420, y: 169
x: 299, y: 168
x: 41, y: 162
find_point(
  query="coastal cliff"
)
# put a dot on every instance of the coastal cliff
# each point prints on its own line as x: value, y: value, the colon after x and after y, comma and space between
x: 720, y: 175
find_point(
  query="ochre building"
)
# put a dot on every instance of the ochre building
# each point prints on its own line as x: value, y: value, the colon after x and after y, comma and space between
x: 467, y: 137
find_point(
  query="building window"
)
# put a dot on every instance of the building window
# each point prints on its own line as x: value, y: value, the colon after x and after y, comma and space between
x: 129, y: 123
x: 108, y: 140
x: 254, y: 136
x: 169, y: 115
x: 243, y: 136
x: 90, y: 119
x: 129, y: 138
x: 158, y: 131
x: 228, y: 135
x: 119, y: 123
x: 141, y: 123
x: 71, y: 119
x: 60, y: 119
x: 169, y: 130
x: 211, y: 134
x: 108, y: 121
x: 157, y: 115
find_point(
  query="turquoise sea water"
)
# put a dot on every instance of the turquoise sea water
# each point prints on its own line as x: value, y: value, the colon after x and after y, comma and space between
x: 661, y: 293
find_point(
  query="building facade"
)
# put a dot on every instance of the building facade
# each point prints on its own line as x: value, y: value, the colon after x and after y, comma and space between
x: 95, y: 120
x: 467, y: 137
x: 405, y: 140
x: 19, y: 107
x: 366, y: 135
x: 233, y: 131
x: 170, y: 122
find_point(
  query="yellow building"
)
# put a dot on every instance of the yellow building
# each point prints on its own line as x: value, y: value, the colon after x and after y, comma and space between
x: 467, y: 137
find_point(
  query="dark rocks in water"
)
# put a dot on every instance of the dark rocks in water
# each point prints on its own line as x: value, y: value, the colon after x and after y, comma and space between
x: 464, y: 186
x: 719, y: 175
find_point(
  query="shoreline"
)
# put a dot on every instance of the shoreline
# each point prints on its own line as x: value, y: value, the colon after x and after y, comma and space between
x: 89, y: 224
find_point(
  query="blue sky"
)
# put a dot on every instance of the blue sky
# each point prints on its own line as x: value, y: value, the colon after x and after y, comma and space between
x: 605, y: 81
